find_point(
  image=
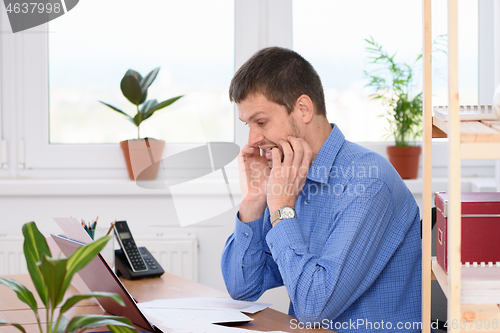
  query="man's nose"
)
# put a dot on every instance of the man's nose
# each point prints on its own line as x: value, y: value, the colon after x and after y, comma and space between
x: 255, y: 136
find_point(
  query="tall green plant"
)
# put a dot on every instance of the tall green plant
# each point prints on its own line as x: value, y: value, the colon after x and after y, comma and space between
x: 135, y: 88
x: 51, y: 278
x: 394, y: 86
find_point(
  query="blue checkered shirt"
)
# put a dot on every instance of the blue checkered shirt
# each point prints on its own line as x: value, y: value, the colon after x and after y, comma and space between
x: 351, y: 259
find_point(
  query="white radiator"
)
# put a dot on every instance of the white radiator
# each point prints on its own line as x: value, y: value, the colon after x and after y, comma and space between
x: 176, y: 253
x: 11, y: 255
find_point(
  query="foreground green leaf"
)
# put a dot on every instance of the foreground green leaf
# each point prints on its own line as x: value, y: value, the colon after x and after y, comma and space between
x: 81, y: 258
x: 84, y: 322
x: 75, y: 299
x: 53, y: 272
x: 122, y: 329
x: 22, y: 292
x: 61, y: 323
x: 35, y: 247
x: 19, y: 327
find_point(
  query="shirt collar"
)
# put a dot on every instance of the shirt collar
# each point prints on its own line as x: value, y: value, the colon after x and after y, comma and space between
x: 322, y: 164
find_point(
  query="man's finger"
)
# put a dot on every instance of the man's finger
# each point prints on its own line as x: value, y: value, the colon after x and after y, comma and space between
x: 287, y: 152
x: 276, y: 157
x: 298, y: 151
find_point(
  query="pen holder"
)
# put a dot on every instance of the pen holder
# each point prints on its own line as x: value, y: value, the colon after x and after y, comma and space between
x: 108, y: 252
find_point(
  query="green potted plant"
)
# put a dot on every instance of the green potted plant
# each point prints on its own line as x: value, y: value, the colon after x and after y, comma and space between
x: 51, y: 278
x: 394, y: 86
x: 141, y: 154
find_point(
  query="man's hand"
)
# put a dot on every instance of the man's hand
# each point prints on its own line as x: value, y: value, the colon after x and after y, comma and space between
x: 288, y: 178
x: 254, y: 174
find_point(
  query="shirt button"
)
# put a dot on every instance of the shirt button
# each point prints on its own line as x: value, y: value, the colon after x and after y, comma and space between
x: 246, y: 234
x: 305, y: 238
x: 306, y: 202
x: 270, y: 246
x: 242, y: 266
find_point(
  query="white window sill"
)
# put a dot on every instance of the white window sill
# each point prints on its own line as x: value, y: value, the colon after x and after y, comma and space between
x: 126, y: 187
x: 106, y: 187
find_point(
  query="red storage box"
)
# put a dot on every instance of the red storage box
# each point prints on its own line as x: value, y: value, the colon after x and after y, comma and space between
x: 480, y: 228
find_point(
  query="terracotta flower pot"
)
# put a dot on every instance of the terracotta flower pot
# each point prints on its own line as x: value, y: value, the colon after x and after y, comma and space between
x: 143, y: 157
x: 405, y: 160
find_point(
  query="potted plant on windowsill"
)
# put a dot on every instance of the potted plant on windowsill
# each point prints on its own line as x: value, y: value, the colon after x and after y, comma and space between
x: 51, y: 278
x: 394, y: 86
x: 142, y: 155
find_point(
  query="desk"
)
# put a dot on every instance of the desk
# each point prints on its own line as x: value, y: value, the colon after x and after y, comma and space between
x: 168, y: 286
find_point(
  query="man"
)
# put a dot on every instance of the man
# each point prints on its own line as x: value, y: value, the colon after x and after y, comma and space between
x: 327, y: 218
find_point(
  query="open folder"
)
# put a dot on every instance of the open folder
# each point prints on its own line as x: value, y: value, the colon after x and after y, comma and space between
x: 98, y: 276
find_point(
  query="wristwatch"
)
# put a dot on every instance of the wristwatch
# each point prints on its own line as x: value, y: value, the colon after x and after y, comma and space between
x: 284, y: 212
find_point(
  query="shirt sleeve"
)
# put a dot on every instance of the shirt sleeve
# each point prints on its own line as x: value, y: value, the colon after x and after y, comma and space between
x: 247, y: 264
x: 356, y: 251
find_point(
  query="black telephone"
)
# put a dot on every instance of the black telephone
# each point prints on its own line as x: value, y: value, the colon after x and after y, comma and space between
x: 132, y: 262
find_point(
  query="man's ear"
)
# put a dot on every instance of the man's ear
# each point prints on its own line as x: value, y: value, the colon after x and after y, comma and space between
x: 305, y: 106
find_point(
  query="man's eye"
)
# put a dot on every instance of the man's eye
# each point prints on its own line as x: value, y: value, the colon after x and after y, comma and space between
x: 260, y: 123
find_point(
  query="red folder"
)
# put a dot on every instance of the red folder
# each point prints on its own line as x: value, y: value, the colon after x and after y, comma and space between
x: 480, y: 228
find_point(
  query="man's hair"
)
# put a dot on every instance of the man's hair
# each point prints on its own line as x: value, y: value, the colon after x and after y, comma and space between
x: 281, y: 75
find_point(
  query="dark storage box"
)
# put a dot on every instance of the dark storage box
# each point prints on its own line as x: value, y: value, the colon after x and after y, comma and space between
x: 480, y: 228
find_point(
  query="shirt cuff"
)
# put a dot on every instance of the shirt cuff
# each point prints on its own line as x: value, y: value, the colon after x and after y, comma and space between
x: 285, y: 234
x: 248, y: 233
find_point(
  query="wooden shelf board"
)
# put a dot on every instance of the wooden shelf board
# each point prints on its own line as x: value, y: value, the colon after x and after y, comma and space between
x: 472, y: 314
x: 441, y: 276
x: 470, y: 131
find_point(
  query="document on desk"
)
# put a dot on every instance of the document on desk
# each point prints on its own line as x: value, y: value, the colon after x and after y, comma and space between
x: 201, y: 303
x: 199, y: 314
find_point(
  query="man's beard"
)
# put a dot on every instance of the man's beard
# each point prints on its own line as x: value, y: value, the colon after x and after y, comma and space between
x: 294, y: 131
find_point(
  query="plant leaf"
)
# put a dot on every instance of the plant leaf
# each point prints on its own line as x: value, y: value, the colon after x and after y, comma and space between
x: 144, y: 97
x: 118, y: 110
x: 81, y: 257
x: 35, y: 246
x: 161, y: 105
x: 61, y: 323
x: 19, y: 327
x: 84, y: 322
x: 135, y: 74
x: 22, y: 292
x: 121, y: 329
x: 138, y: 118
x: 53, y: 272
x: 131, y: 88
x: 149, y: 104
x: 148, y: 80
x: 75, y: 299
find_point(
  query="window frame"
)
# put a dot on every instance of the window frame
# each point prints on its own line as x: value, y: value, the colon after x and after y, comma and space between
x: 24, y: 113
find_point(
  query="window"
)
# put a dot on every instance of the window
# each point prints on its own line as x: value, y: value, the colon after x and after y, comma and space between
x: 37, y: 69
x: 193, y: 43
x: 335, y: 46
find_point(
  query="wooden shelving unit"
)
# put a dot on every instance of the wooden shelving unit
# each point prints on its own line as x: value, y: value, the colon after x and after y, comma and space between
x: 466, y: 140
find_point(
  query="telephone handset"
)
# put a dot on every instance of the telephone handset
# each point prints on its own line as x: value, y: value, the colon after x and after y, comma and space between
x: 133, y: 262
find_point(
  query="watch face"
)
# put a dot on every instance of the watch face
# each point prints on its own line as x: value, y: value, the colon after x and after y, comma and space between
x: 287, y: 212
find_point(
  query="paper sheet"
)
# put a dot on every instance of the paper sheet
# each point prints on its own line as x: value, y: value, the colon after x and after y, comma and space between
x: 192, y: 321
x: 206, y: 303
x: 194, y: 316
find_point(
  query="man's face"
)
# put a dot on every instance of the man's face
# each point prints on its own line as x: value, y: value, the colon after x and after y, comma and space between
x: 269, y: 123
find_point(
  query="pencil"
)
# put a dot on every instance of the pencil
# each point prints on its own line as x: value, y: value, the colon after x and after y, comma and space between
x: 111, y: 227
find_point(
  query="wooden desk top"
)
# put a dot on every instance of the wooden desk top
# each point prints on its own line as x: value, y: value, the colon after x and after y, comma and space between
x: 168, y: 286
